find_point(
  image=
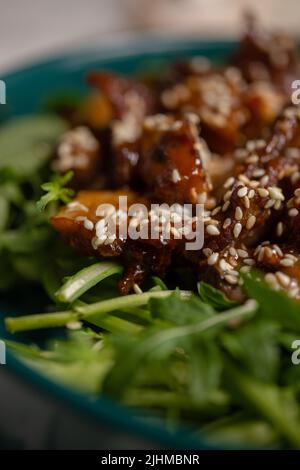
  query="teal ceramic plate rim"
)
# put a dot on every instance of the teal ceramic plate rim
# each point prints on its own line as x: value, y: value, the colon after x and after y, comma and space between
x: 141, y: 48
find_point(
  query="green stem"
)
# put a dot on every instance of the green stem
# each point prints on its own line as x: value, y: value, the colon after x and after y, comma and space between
x: 118, y: 325
x: 85, y: 279
x: 39, y: 321
x: 267, y: 401
x: 83, y: 312
x: 126, y: 301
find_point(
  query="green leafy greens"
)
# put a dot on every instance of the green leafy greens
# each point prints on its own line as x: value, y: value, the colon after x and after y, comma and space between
x: 223, y: 368
x: 226, y: 373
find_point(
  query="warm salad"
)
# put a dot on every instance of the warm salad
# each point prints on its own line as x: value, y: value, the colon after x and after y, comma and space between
x: 161, y: 217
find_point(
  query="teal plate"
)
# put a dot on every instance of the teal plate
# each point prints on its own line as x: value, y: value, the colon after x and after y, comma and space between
x: 28, y: 89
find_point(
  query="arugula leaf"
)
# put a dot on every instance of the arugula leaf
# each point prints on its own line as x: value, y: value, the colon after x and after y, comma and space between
x: 157, y: 343
x: 255, y: 346
x: 26, y: 239
x: 242, y: 430
x: 56, y: 190
x: 274, y: 305
x: 78, y: 361
x: 278, y: 406
x: 26, y: 143
x: 178, y: 311
x: 214, y: 297
x: 159, y: 282
x: 205, y: 368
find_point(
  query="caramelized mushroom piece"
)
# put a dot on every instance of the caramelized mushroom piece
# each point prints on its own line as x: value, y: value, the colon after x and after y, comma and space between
x: 173, y: 159
x: 267, y: 57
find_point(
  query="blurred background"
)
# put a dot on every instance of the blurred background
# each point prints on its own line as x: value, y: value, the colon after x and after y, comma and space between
x: 32, y: 28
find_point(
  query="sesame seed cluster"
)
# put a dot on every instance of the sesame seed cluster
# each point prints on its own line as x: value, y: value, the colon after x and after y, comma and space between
x: 77, y: 149
x: 248, y: 203
x: 223, y: 137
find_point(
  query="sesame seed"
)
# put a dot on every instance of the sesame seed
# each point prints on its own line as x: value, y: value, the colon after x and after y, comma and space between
x: 226, y: 223
x: 227, y: 196
x: 175, y: 176
x: 234, y: 272
x: 251, y: 194
x: 279, y: 229
x: 216, y: 210
x: 243, y: 179
x: 249, y: 261
x: 264, y: 180
x: 251, y: 145
x: 269, y: 204
x: 245, y: 269
x: 283, y: 278
x: 297, y: 192
x: 229, y: 182
x: 251, y: 222
x: 88, y: 224
x: 213, y: 222
x: 225, y: 206
x: 254, y: 184
x: 137, y: 289
x: 276, y: 193
x: 289, y: 255
x: 246, y: 202
x: 252, y: 159
x: 293, y: 212
x: 213, y: 258
x: 74, y: 325
x: 224, y: 265
x: 268, y: 252
x: 76, y: 206
x: 258, y: 173
x: 241, y: 153
x: 263, y: 192
x: 232, y: 251
x: 207, y: 252
x: 277, y: 205
x: 271, y: 279
x: 237, y: 230
x: 242, y: 192
x: 278, y: 250
x: 293, y: 293
x: 238, y: 213
x: 212, y: 230
x: 287, y: 262
x: 231, y: 279
x: 242, y: 253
